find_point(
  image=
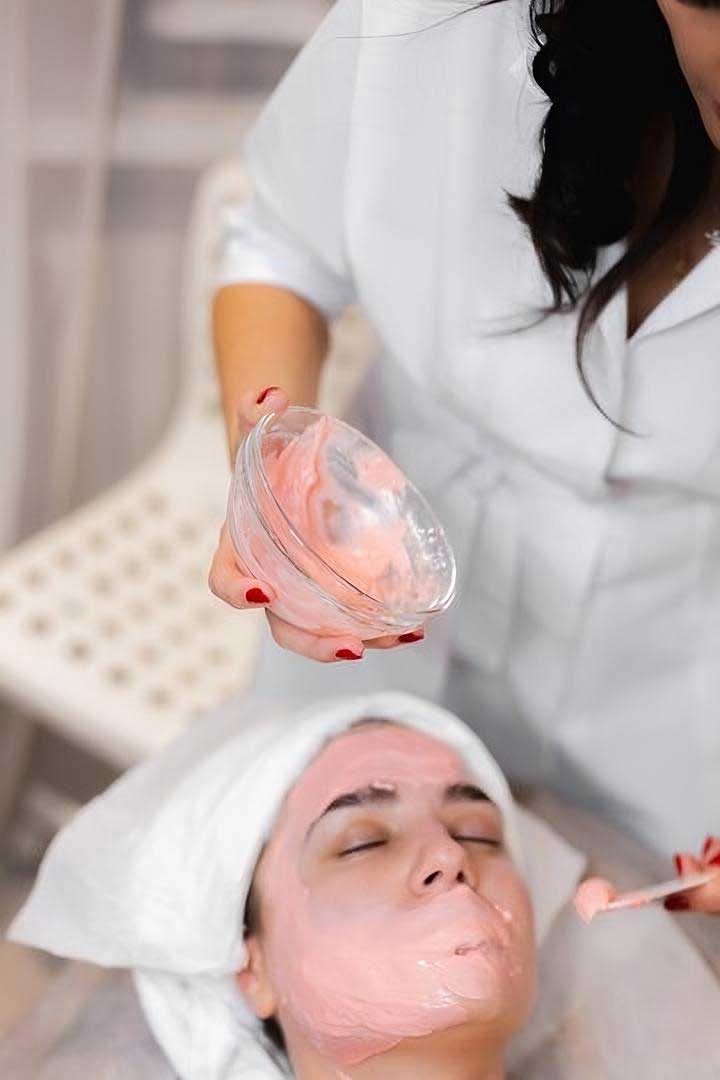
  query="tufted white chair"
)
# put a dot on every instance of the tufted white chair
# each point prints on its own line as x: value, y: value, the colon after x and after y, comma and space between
x: 108, y: 632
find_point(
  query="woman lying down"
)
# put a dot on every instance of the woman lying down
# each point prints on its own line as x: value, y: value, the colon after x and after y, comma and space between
x: 344, y: 896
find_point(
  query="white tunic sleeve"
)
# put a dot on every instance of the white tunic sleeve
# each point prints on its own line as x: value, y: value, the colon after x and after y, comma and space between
x: 257, y: 246
x: 292, y: 232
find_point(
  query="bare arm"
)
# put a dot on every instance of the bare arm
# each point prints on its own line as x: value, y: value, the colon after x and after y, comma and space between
x: 265, y: 336
x: 268, y: 337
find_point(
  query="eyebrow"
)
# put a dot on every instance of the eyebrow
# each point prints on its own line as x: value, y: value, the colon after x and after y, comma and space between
x: 374, y: 794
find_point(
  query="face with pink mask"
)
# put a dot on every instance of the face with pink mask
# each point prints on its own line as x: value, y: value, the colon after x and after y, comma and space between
x: 389, y: 932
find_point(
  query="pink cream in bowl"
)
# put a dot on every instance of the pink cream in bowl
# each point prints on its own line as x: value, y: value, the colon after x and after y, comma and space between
x: 324, y: 516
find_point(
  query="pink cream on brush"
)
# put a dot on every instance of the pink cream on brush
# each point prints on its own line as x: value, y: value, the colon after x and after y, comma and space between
x: 357, y: 970
x: 596, y: 895
x: 592, y: 897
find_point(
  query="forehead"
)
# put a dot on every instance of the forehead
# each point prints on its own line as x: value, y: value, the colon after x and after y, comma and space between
x: 375, y: 753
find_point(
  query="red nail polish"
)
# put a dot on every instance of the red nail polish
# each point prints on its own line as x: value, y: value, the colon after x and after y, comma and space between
x: 678, y: 864
x: 264, y: 394
x: 677, y: 903
x: 711, y: 851
x: 715, y: 861
x: 414, y: 635
x: 256, y: 596
x: 347, y: 654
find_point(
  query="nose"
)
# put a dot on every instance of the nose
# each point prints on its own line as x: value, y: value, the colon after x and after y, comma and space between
x: 441, y: 864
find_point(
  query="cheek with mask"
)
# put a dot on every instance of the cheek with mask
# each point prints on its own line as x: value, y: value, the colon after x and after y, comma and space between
x: 360, y: 956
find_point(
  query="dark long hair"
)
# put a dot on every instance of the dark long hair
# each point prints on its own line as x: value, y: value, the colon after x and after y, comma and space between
x: 610, y: 71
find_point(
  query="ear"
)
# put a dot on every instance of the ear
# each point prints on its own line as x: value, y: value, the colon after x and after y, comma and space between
x: 253, y: 982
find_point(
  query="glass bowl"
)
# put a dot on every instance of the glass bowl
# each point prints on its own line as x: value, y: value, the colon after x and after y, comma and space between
x: 347, y: 543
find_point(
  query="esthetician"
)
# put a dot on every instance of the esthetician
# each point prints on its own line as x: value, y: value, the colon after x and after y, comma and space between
x: 549, y: 313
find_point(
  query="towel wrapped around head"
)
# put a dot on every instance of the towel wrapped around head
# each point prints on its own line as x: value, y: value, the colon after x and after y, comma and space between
x: 154, y: 874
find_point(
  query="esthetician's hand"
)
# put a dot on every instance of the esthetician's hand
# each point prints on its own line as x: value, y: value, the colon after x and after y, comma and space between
x: 707, y: 897
x: 230, y: 580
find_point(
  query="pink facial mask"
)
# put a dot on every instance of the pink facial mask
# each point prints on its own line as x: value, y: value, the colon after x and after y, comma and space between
x: 357, y: 974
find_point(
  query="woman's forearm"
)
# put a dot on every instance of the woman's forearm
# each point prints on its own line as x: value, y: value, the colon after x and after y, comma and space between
x: 266, y: 336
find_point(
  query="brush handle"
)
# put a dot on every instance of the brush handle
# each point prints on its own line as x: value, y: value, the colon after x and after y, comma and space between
x: 641, y: 897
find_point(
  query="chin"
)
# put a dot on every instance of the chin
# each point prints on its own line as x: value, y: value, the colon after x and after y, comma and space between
x: 498, y: 991
x: 505, y: 1013
x: 474, y: 1035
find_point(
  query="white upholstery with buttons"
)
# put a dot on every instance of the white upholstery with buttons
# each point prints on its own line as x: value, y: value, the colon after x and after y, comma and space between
x: 108, y: 631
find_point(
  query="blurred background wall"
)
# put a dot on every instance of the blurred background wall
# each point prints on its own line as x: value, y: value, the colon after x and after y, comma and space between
x: 110, y: 110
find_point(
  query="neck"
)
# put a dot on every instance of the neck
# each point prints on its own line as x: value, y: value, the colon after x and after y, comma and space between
x: 650, y: 179
x: 419, y: 1071
x: 715, y: 182
x: 445, y: 1056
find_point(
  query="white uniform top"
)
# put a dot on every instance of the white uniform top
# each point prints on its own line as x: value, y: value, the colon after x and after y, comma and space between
x: 586, y: 643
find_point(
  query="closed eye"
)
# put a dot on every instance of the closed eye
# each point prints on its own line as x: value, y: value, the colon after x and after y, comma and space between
x: 487, y: 841
x: 362, y: 847
x: 478, y: 840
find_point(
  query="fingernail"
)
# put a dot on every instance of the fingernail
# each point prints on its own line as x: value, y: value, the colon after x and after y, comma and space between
x: 677, y: 903
x: 711, y: 850
x: 265, y: 392
x: 256, y: 596
x: 715, y: 861
x: 347, y: 654
x: 415, y: 635
x: 678, y: 864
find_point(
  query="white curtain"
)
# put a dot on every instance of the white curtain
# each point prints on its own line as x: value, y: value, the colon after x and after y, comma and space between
x: 109, y: 112
x: 61, y: 66
x: 60, y: 76
x: 13, y: 259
